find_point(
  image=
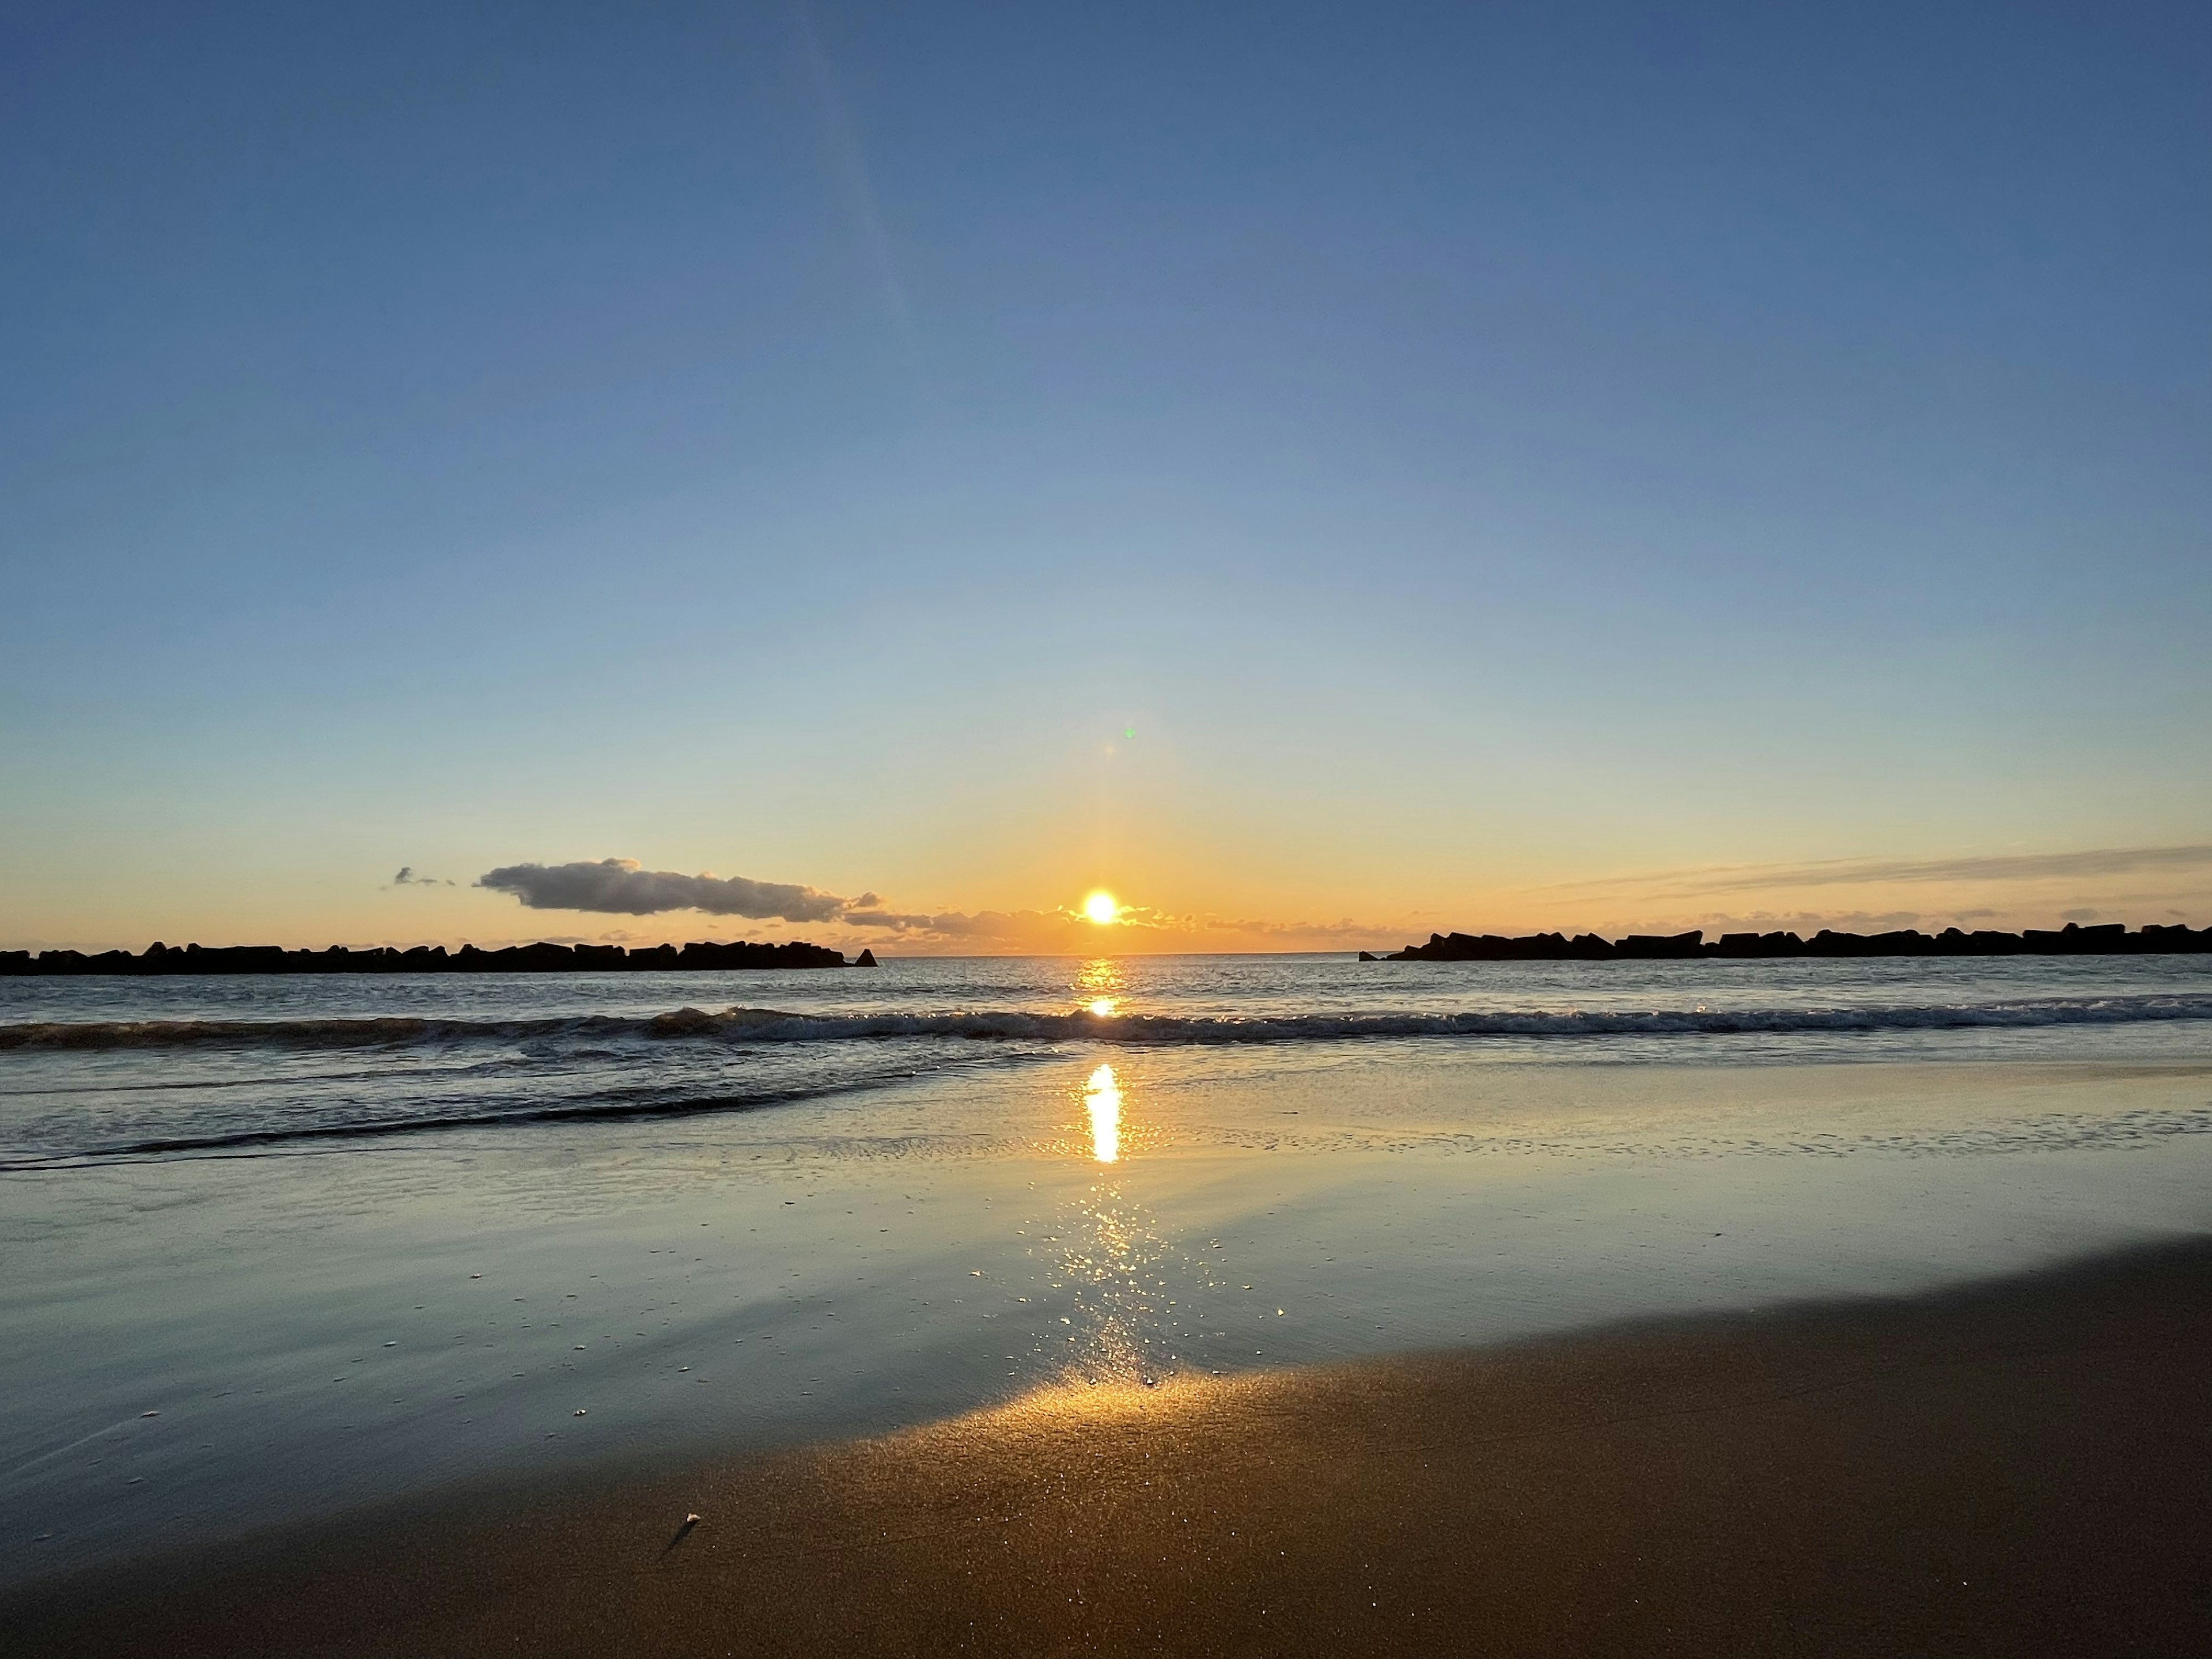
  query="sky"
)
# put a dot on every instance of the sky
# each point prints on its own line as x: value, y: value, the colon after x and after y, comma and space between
x: 1323, y: 474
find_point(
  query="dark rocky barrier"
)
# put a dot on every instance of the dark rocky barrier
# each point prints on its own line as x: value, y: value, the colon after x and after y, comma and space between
x: 423, y: 959
x: 2111, y: 938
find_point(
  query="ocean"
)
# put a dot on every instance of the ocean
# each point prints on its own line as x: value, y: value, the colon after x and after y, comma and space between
x: 278, y: 1246
x: 121, y: 1067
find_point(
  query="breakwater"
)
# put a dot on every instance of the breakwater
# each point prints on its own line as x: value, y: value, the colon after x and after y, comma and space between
x: 541, y: 958
x: 2111, y: 938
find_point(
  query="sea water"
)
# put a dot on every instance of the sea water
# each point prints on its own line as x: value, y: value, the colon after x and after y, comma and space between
x: 270, y: 1246
x: 100, y: 1067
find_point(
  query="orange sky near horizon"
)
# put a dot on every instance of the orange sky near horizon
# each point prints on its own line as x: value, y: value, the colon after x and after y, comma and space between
x: 2009, y: 890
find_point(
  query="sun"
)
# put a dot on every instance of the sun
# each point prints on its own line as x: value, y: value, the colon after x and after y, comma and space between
x: 1101, y: 908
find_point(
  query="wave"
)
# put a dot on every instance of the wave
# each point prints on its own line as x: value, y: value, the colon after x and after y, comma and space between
x: 382, y: 1031
x: 767, y: 1026
x: 770, y: 1025
x: 247, y: 1139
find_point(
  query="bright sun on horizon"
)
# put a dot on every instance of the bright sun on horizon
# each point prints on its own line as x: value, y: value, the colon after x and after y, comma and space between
x: 1101, y: 907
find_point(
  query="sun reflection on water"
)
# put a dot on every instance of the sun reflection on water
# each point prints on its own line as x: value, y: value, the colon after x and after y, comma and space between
x: 1102, y: 1097
x: 1098, y: 987
x: 1128, y: 1300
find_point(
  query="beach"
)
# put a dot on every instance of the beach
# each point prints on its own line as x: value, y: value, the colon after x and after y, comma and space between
x: 2016, y: 1468
x: 831, y: 828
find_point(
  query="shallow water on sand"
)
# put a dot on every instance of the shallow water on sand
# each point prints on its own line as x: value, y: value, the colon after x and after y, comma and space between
x: 206, y: 1343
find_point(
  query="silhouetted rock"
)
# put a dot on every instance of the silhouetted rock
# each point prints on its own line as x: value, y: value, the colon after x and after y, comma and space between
x: 2073, y: 940
x: 1493, y: 947
x: 1757, y: 944
x: 1902, y: 942
x: 2176, y: 938
x: 544, y: 958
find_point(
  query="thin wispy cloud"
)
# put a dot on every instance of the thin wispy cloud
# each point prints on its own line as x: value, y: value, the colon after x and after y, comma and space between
x: 950, y: 922
x: 1834, y: 873
x: 847, y: 165
x: 1138, y: 927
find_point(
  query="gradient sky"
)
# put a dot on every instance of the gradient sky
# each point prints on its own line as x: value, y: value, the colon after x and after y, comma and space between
x: 1511, y: 466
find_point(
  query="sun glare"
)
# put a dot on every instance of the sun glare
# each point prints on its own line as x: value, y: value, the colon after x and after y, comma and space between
x: 1100, y: 906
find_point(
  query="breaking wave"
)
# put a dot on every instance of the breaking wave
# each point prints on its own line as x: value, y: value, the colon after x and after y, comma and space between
x: 769, y: 1026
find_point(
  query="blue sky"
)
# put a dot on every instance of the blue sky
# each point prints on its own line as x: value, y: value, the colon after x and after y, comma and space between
x: 1482, y: 452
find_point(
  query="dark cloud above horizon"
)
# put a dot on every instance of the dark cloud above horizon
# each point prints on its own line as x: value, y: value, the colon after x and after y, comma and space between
x: 620, y: 887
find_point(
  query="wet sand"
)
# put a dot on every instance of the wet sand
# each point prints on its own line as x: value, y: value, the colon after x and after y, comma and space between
x: 199, y: 1349
x: 2021, y: 1468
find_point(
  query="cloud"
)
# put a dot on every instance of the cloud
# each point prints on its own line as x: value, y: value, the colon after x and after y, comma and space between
x: 1331, y: 932
x: 407, y: 878
x: 847, y: 163
x: 1832, y: 872
x: 955, y: 924
x: 1139, y: 929
x: 899, y: 921
x: 620, y: 887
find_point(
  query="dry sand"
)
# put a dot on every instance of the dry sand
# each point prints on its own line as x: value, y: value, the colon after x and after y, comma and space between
x: 2019, y: 1468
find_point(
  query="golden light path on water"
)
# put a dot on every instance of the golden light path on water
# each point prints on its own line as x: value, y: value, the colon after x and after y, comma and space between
x: 1098, y: 986
x: 1136, y: 1296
